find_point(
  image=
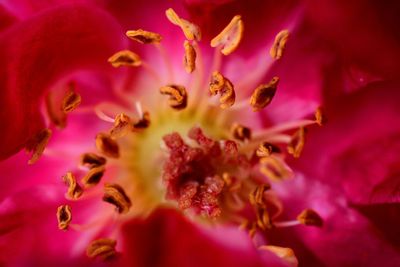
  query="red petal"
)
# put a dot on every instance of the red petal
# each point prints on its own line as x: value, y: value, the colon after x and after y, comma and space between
x: 36, y: 52
x: 168, y: 239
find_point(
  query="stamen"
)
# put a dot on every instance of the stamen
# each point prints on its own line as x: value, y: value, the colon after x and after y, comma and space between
x: 230, y: 37
x: 71, y: 100
x: 74, y: 189
x: 257, y: 196
x: 142, y: 123
x: 56, y: 115
x: 274, y: 168
x: 232, y: 183
x: 125, y: 58
x: 92, y: 160
x: 177, y: 96
x: 263, y: 94
x: 223, y: 86
x: 122, y: 126
x: 285, y: 253
x: 266, y: 149
x: 93, y: 176
x: 279, y: 45
x: 64, y: 217
x: 191, y: 31
x: 144, y: 37
x: 240, y: 132
x: 320, y: 118
x: 37, y: 144
x: 106, y: 145
x: 263, y: 219
x: 296, y: 145
x: 310, y: 218
x: 189, y: 60
x: 103, y: 248
x: 115, y: 194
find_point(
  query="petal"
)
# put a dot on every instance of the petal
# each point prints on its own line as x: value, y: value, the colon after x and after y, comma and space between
x: 41, y: 55
x: 365, y: 32
x: 166, y: 238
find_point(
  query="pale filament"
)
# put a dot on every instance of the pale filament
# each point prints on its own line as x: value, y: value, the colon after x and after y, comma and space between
x: 111, y: 108
x: 168, y: 62
x: 284, y: 224
x: 139, y: 109
x: 197, y: 85
x: 265, y: 133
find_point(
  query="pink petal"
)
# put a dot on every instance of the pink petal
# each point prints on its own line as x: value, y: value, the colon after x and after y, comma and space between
x: 52, y: 44
x: 166, y: 238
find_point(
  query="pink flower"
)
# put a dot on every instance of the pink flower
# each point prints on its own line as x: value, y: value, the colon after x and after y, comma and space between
x: 190, y: 131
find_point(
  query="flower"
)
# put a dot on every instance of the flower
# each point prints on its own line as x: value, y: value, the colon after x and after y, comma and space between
x: 156, y: 157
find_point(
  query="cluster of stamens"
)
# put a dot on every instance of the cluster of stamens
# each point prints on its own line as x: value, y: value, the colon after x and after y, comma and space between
x: 203, y: 176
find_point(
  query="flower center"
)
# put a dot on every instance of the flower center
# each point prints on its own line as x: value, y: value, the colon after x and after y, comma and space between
x: 190, y: 151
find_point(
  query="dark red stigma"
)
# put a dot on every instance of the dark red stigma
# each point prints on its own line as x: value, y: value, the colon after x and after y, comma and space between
x: 194, y: 175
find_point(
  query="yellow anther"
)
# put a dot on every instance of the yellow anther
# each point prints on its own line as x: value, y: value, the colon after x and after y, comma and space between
x: 37, y: 144
x: 64, y: 217
x: 103, y: 248
x: 71, y: 100
x: 106, y: 145
x: 257, y: 196
x: 274, y: 168
x: 296, y: 145
x: 223, y: 86
x: 125, y: 58
x: 263, y: 94
x: 310, y: 218
x: 93, y: 176
x: 144, y: 37
x: 74, y: 189
x: 191, y: 31
x: 279, y: 45
x: 230, y: 37
x: 263, y: 219
x: 177, y: 96
x: 142, y: 123
x: 266, y: 149
x: 286, y: 254
x: 320, y: 117
x: 241, y: 132
x: 189, y: 60
x: 115, y: 194
x: 122, y: 126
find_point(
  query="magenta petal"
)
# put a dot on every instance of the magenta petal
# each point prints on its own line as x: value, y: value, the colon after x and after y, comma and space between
x: 40, y: 50
x: 166, y: 238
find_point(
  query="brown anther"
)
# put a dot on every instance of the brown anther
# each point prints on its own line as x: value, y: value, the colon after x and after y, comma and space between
x: 37, y: 144
x: 230, y: 37
x: 310, y: 218
x: 279, y: 45
x: 106, y: 145
x: 115, y: 194
x: 144, y: 37
x: 103, y: 248
x: 284, y: 253
x: 122, y: 126
x: 191, y: 31
x: 92, y: 160
x: 263, y: 94
x: 256, y: 197
x: 320, y: 117
x: 296, y: 144
x: 177, y: 96
x: 93, y: 176
x: 223, y: 86
x: 241, y: 132
x: 274, y: 169
x: 142, y: 123
x: 125, y: 58
x: 266, y: 149
x: 64, y: 217
x: 74, y: 189
x: 189, y: 60
x: 71, y: 100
